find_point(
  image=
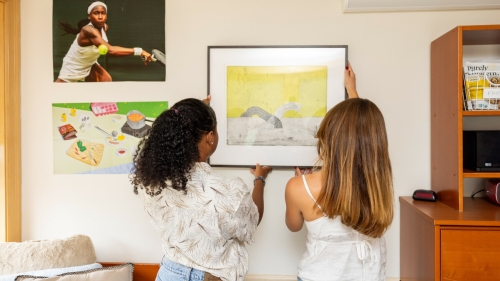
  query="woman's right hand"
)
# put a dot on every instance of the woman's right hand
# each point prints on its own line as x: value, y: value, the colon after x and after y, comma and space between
x: 207, y: 99
x: 260, y: 170
x: 299, y: 172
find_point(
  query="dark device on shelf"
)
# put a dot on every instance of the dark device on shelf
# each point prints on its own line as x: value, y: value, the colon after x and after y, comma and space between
x: 481, y: 151
x: 425, y: 195
x: 493, y: 191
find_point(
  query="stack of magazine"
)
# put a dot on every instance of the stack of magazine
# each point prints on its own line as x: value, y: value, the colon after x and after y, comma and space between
x: 481, y: 89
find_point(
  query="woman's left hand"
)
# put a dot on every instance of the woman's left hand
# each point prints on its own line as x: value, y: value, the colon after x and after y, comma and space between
x: 350, y: 82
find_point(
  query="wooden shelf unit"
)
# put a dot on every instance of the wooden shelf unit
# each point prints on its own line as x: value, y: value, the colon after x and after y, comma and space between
x: 455, y: 238
x: 482, y: 113
x: 447, y: 173
x: 480, y: 175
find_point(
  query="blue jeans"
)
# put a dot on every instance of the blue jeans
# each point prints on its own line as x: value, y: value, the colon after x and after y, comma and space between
x: 298, y: 278
x: 172, y: 271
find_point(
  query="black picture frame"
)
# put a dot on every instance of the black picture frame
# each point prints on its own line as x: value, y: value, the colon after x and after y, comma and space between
x: 287, y: 90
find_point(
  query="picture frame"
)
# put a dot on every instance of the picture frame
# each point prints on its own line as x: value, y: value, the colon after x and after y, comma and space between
x: 121, y: 16
x: 269, y: 101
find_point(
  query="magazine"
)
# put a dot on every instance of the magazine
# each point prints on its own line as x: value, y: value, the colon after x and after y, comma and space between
x: 481, y: 89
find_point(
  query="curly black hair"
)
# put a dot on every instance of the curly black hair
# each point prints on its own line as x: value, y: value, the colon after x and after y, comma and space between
x: 170, y: 149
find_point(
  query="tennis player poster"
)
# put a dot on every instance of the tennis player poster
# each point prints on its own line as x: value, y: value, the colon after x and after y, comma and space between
x: 108, y: 40
x: 100, y: 137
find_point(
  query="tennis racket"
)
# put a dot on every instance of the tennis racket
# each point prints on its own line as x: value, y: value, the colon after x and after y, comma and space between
x: 157, y: 56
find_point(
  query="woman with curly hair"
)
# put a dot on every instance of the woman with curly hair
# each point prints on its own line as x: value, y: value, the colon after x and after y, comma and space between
x: 204, y: 219
x: 348, y: 204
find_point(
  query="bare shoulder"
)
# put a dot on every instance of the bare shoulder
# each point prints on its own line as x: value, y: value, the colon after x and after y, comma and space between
x: 89, y: 32
x: 294, y: 184
x: 295, y: 190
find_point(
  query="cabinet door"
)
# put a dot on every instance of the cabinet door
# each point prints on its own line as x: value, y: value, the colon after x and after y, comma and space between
x: 470, y: 253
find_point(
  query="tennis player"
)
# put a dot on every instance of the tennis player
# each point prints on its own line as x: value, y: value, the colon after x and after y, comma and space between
x: 80, y: 63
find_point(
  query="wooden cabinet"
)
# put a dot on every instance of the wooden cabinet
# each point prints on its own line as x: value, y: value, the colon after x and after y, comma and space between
x: 455, y: 238
x: 440, y: 243
x: 447, y: 173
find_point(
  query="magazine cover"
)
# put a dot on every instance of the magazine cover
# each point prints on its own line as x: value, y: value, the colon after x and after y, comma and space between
x: 481, y: 85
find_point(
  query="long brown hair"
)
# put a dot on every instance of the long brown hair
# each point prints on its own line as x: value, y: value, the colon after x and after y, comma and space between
x: 357, y: 173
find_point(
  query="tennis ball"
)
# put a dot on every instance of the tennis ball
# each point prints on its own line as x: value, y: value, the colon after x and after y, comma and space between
x: 102, y: 49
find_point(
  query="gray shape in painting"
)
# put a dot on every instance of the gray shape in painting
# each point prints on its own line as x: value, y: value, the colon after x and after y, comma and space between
x: 266, y: 116
x: 294, y: 131
x: 280, y: 112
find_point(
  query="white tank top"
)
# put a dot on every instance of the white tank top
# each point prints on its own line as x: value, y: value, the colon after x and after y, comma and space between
x: 78, y: 61
x: 338, y: 252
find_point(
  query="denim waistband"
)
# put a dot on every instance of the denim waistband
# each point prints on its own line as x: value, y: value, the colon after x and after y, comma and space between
x: 189, y: 272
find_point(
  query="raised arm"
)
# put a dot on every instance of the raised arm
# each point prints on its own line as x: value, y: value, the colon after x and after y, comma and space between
x: 350, y: 82
x: 260, y: 173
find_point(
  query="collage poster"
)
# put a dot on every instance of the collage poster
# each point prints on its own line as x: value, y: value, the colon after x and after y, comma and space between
x: 100, y: 137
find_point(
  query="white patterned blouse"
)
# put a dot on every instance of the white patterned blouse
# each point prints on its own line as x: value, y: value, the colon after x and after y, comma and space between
x: 207, y: 227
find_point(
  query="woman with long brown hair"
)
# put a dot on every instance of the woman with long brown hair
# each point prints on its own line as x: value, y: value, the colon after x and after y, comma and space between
x: 347, y: 205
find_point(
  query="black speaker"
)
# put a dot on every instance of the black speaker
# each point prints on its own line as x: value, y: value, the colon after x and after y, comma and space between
x: 481, y: 151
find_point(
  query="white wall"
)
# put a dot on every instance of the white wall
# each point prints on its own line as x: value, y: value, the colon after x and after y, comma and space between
x: 390, y: 53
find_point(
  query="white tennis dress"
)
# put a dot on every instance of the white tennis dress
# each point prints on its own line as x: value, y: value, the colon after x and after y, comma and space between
x: 79, y: 60
x: 338, y: 252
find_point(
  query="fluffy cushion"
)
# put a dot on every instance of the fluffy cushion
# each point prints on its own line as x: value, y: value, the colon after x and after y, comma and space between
x: 44, y: 254
x: 52, y: 271
x: 122, y: 272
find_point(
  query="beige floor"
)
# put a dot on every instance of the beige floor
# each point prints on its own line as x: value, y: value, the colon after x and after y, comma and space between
x: 255, y: 277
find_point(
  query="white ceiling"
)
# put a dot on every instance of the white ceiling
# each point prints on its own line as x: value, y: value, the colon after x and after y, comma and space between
x: 357, y: 6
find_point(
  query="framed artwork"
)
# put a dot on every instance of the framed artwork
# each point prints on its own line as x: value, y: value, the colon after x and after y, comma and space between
x: 270, y: 100
x: 100, y: 137
x: 129, y: 24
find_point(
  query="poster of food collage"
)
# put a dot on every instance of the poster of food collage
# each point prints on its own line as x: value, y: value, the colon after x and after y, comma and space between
x: 100, y: 137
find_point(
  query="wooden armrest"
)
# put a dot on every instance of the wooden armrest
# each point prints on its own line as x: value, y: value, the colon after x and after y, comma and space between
x: 142, y: 271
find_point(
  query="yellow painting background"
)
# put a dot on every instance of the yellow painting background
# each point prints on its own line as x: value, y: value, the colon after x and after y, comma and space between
x: 270, y: 87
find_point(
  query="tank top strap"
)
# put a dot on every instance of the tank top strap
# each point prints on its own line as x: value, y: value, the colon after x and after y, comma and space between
x: 310, y: 194
x: 103, y: 33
